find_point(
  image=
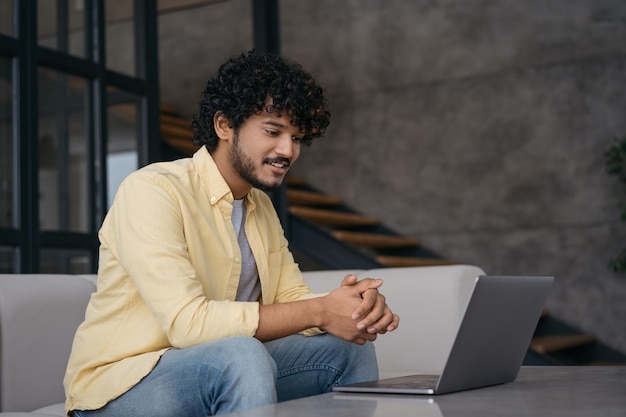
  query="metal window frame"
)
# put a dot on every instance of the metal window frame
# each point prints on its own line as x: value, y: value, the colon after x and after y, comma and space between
x: 28, y: 56
x: 26, y: 236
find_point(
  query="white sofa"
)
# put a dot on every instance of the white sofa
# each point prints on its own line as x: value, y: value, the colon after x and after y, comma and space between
x: 39, y: 314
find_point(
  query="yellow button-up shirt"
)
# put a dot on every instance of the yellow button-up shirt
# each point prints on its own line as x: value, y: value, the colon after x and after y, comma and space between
x: 168, y: 273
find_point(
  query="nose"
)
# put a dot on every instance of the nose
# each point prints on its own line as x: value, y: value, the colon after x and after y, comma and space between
x: 286, y: 147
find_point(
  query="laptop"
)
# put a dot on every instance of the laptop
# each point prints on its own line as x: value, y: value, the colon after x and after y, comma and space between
x: 490, y: 344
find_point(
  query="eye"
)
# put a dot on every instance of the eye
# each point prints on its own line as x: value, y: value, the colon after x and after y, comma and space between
x: 297, y: 139
x: 272, y: 132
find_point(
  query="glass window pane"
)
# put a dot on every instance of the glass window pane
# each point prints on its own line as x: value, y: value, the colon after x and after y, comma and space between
x: 63, y: 153
x: 65, y: 261
x: 77, y: 35
x: 47, y: 31
x: 7, y: 257
x: 120, y: 36
x: 6, y: 17
x: 122, y: 146
x: 62, y: 29
x: 7, y: 218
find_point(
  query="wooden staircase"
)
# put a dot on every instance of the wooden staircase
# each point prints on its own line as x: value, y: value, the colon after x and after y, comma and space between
x: 321, y: 226
x: 557, y: 343
x: 365, y: 233
x: 176, y: 131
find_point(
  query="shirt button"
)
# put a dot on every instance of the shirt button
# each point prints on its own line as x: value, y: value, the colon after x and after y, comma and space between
x: 237, y: 260
x: 213, y: 199
x: 226, y: 218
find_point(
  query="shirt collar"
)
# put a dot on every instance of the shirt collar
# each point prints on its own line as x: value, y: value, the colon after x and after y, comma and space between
x: 213, y: 181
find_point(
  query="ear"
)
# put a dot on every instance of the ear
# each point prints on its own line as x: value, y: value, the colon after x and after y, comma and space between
x: 222, y: 126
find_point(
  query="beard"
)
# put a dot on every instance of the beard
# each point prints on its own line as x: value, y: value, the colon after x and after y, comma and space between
x: 244, y: 166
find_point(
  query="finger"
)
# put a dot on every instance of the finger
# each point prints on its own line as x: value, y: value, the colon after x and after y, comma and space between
x: 381, y: 320
x: 394, y: 324
x: 380, y: 326
x: 377, y: 311
x: 365, y: 337
x: 367, y: 284
x: 349, y: 279
x: 360, y: 341
x: 370, y: 298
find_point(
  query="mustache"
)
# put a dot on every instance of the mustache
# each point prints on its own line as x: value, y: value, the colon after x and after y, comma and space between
x: 278, y: 160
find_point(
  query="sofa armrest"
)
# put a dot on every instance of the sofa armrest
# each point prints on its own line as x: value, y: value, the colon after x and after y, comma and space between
x: 39, y: 314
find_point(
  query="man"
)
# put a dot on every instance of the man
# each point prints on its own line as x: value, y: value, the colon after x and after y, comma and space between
x: 200, y: 308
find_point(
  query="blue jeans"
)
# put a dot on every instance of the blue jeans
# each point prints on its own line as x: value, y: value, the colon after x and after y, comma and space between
x: 240, y: 372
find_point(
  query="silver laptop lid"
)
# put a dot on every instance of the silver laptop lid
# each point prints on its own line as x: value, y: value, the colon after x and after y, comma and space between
x: 495, y: 331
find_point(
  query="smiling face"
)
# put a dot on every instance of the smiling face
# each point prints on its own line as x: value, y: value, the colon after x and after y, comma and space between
x: 259, y: 153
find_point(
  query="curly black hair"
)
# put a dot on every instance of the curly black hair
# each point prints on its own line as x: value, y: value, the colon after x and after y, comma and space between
x: 242, y: 88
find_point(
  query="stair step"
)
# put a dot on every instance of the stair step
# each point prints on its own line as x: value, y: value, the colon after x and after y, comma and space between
x: 402, y: 261
x: 168, y: 119
x: 333, y: 218
x: 174, y: 130
x: 295, y: 181
x: 182, y: 144
x: 553, y: 343
x: 310, y: 198
x: 374, y: 240
x: 171, y: 110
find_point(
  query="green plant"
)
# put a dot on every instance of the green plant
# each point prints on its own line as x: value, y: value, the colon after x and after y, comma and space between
x: 615, y: 158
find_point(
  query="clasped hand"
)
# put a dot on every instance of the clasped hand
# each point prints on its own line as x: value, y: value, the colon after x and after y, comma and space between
x: 358, y: 312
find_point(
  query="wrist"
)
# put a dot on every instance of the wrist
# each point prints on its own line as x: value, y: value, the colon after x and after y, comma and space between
x: 316, y: 311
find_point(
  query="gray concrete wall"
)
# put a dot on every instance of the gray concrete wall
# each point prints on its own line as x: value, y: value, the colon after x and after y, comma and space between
x: 194, y: 42
x: 477, y: 127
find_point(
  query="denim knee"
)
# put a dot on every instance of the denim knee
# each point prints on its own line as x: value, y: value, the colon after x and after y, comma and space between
x: 249, y: 379
x: 252, y: 358
x: 211, y: 378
